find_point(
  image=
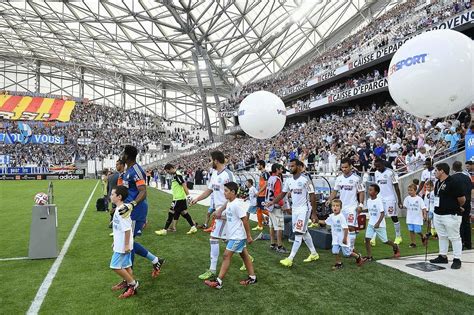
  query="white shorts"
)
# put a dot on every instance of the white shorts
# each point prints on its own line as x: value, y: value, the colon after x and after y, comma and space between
x: 299, y: 219
x: 218, y: 230
x: 346, y: 250
x: 276, y: 219
x: 390, y: 207
x: 350, y: 213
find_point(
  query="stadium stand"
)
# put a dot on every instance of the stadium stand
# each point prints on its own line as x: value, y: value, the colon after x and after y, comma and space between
x: 391, y: 27
x: 325, y: 140
x: 87, y: 136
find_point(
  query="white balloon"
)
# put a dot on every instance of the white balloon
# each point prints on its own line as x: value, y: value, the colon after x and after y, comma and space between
x: 431, y: 75
x: 262, y: 115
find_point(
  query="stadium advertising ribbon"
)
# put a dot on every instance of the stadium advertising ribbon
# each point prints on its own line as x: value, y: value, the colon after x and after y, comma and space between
x: 15, y: 107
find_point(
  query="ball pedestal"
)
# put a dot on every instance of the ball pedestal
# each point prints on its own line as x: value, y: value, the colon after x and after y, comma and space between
x: 43, y: 232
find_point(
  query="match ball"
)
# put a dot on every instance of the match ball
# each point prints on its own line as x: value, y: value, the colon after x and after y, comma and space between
x: 431, y: 75
x: 262, y: 115
x: 41, y: 198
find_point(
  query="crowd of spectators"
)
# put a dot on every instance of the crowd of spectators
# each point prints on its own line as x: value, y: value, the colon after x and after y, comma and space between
x: 95, y: 131
x: 401, y: 21
x: 360, y: 133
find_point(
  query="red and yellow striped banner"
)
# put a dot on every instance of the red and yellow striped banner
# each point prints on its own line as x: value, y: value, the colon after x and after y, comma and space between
x: 35, y: 108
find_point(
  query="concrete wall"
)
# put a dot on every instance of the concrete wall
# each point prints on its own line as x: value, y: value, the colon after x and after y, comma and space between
x: 405, y: 180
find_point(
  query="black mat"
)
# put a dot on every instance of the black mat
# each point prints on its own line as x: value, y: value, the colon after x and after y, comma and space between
x: 425, y: 266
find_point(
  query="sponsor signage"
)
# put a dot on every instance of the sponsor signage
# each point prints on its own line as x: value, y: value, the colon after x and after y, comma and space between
x: 346, y: 94
x: 362, y: 89
x: 294, y: 88
x: 226, y: 114
x: 39, y: 170
x: 41, y: 177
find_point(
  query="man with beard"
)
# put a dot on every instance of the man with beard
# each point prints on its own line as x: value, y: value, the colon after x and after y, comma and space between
x: 302, y: 192
x: 219, y: 178
x: 136, y: 205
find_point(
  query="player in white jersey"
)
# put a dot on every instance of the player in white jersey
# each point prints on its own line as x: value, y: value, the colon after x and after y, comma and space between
x: 221, y: 176
x: 350, y: 186
x: 302, y: 191
x: 390, y: 193
x: 428, y: 174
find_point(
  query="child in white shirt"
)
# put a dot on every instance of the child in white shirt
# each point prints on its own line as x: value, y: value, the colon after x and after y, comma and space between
x: 376, y: 225
x: 416, y: 213
x: 238, y: 235
x: 340, y: 235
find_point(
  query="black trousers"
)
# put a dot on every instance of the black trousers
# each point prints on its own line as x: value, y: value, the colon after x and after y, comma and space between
x: 465, y: 230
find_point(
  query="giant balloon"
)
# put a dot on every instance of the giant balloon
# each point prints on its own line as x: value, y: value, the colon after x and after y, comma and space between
x: 431, y: 75
x: 262, y: 115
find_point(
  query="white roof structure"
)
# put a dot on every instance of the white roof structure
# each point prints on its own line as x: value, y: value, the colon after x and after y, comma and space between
x: 161, y: 48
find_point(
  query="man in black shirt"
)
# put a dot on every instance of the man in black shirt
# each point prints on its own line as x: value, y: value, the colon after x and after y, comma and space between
x: 464, y: 180
x: 449, y: 197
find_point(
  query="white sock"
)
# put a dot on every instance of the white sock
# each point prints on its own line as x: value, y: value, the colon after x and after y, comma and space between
x: 219, y: 281
x: 296, y: 246
x: 398, y: 233
x: 132, y: 283
x: 308, y: 240
x: 214, y: 254
x: 154, y: 261
x: 352, y: 240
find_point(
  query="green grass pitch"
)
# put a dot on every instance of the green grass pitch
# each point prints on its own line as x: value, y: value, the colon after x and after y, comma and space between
x: 83, y: 282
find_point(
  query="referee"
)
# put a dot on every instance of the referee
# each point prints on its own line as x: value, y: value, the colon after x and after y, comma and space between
x: 449, y: 197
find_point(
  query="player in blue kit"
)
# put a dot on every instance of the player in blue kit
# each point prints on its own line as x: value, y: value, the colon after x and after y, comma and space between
x: 136, y: 205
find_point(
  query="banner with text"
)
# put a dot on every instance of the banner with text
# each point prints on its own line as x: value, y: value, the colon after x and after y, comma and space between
x: 10, y: 138
x: 4, y: 159
x: 343, y: 95
x: 16, y: 107
x: 358, y: 90
x: 226, y: 114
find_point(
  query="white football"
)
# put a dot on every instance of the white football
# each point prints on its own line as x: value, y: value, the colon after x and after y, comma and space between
x: 41, y: 198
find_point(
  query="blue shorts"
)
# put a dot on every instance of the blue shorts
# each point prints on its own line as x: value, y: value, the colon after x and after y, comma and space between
x: 210, y: 210
x: 121, y: 261
x: 236, y: 246
x: 414, y: 228
x: 260, y: 200
x: 138, y: 227
x: 346, y: 250
x: 252, y: 209
x: 381, y: 232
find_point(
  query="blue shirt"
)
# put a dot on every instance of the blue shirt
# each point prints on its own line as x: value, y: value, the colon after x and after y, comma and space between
x: 378, y: 151
x: 132, y: 179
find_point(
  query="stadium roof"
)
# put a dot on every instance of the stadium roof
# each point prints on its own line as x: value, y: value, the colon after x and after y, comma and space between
x: 236, y: 41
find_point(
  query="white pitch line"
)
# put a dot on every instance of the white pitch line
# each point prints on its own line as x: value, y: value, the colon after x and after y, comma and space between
x: 43, y: 289
x: 13, y: 258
